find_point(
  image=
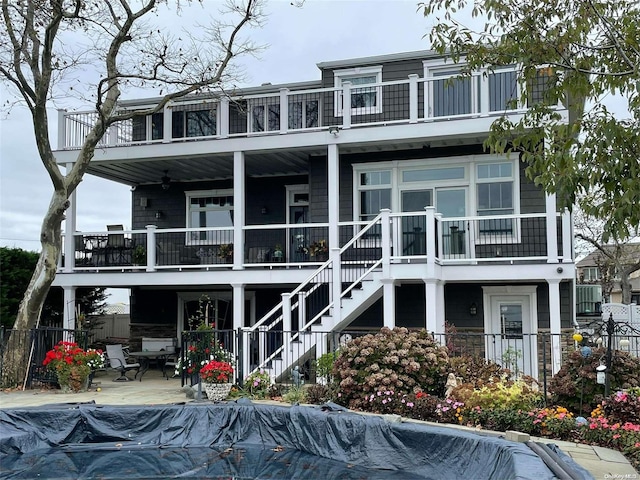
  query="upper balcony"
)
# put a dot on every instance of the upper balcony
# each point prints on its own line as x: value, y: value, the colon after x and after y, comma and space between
x: 302, y: 116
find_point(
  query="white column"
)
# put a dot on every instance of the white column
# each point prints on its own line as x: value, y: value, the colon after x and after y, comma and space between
x: 440, y: 305
x: 62, y: 129
x: 567, y: 237
x: 431, y: 310
x: 333, y: 190
x: 555, y: 324
x: 238, y: 305
x: 238, y: 209
x: 69, y: 246
x: 286, y: 331
x: 386, y: 243
x: 388, y: 303
x: 69, y: 308
x: 430, y: 223
x: 552, y: 228
x: 167, y: 124
x: 346, y: 104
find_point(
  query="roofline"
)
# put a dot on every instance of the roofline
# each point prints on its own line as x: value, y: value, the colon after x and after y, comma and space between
x: 264, y: 88
x: 391, y: 57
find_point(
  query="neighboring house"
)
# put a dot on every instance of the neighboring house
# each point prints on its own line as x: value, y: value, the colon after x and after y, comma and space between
x: 598, y: 269
x: 368, y: 189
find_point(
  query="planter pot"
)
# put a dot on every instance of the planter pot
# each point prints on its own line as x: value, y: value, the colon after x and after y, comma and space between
x: 217, y: 391
x: 76, y: 382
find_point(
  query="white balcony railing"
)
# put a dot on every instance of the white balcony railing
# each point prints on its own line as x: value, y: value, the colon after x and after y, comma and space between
x: 291, y: 111
x: 414, y: 236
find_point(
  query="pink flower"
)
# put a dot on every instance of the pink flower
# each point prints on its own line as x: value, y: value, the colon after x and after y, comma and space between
x: 409, y: 404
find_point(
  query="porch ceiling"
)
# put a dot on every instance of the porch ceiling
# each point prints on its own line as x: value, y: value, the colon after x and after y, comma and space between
x: 216, y: 166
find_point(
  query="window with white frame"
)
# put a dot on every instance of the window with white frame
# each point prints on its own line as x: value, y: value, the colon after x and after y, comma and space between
x: 266, y: 118
x: 374, y: 192
x: 303, y: 113
x: 190, y: 122
x: 145, y: 127
x: 452, y: 95
x: 212, y: 208
x: 365, y: 99
x: 503, y: 90
x: 591, y: 274
x: 495, y: 196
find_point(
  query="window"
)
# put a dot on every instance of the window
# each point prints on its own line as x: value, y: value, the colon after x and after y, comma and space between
x: 451, y: 95
x: 303, y: 114
x: 495, y: 196
x: 591, y: 274
x: 210, y: 209
x: 144, y: 127
x: 364, y: 99
x: 433, y: 174
x: 375, y: 193
x: 193, y: 123
x: 265, y: 116
x: 503, y: 91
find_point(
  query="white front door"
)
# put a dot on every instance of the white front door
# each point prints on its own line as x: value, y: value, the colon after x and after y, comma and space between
x: 511, y: 327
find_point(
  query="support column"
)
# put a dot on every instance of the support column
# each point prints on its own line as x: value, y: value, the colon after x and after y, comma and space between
x: 555, y: 325
x: 333, y: 190
x: 552, y: 228
x: 69, y: 308
x: 69, y: 247
x: 238, y: 305
x: 238, y: 209
x: 431, y: 311
x: 388, y: 303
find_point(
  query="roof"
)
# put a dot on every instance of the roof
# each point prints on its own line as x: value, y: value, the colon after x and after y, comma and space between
x: 629, y: 251
x: 392, y: 57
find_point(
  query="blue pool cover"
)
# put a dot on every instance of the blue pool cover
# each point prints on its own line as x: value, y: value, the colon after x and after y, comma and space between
x: 247, y: 441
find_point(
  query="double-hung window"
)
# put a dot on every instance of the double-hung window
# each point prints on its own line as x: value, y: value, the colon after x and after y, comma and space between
x: 366, y: 97
x: 591, y: 274
x: 213, y: 208
x: 145, y: 127
x: 495, y: 190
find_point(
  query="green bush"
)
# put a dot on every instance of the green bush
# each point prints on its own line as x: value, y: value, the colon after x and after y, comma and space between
x: 500, y: 394
x: 392, y: 360
x: 476, y: 371
x: 318, y: 394
x: 324, y: 366
x: 575, y: 386
x: 623, y: 407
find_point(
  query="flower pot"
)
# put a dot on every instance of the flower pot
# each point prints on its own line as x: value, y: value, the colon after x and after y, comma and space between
x: 217, y: 391
x: 74, y: 381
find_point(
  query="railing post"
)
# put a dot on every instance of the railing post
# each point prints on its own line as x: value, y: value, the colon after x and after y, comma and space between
x: 62, y: 129
x: 484, y: 92
x: 284, y: 110
x: 69, y: 246
x: 245, y: 336
x: 302, y: 310
x: 336, y: 285
x: 286, y: 330
x: 346, y: 104
x: 567, y: 244
x: 386, y: 242
x: 167, y: 123
x: 413, y: 98
x: 112, y: 135
x: 223, y: 120
x: 552, y: 228
x: 430, y: 223
x: 151, y: 248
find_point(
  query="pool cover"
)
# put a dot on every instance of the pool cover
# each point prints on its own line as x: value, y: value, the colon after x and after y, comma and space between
x: 246, y: 441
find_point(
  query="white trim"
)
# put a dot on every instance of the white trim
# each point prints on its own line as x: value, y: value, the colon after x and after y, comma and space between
x: 345, y: 74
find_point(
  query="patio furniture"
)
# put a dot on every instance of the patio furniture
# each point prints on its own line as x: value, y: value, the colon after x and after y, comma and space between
x: 115, y: 354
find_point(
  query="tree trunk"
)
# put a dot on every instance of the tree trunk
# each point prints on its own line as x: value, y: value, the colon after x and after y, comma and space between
x: 16, y: 357
x: 625, y: 286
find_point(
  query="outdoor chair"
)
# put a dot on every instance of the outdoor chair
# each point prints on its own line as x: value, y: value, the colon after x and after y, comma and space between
x: 117, y: 361
x: 169, y: 366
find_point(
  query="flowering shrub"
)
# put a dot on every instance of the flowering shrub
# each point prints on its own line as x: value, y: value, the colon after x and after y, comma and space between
x: 554, y: 422
x: 449, y: 411
x: 388, y: 401
x: 504, y: 393
x: 623, y: 406
x: 392, y: 360
x: 203, y: 347
x: 257, y: 384
x: 575, y: 386
x: 216, y: 372
x: 70, y: 364
x: 476, y: 371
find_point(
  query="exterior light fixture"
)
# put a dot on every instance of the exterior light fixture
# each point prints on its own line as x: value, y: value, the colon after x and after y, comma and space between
x: 334, y: 130
x: 166, y: 181
x: 473, y: 309
x: 159, y: 215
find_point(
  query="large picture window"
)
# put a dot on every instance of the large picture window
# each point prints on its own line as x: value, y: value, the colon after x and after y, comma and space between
x: 210, y: 209
x: 193, y: 123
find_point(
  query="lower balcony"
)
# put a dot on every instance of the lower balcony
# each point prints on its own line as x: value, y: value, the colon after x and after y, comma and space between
x: 412, y: 237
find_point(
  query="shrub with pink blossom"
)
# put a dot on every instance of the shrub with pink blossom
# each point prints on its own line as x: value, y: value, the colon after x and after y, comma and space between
x: 397, y: 360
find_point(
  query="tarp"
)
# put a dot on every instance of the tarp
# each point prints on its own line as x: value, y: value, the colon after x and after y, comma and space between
x: 243, y: 440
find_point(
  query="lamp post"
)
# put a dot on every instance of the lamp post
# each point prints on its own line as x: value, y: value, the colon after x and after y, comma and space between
x: 611, y: 326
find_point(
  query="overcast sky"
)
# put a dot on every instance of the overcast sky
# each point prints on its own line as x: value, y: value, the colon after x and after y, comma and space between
x: 297, y: 38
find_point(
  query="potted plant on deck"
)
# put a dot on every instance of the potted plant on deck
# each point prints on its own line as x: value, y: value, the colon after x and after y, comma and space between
x: 216, y: 376
x: 319, y: 250
x: 72, y: 365
x: 225, y: 252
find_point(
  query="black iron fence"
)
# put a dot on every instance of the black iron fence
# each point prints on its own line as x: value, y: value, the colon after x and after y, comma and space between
x: 281, y: 352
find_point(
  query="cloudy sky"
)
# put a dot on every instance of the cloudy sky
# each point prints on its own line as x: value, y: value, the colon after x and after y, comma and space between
x: 297, y: 39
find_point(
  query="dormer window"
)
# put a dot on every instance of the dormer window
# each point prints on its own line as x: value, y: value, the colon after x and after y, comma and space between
x: 366, y: 95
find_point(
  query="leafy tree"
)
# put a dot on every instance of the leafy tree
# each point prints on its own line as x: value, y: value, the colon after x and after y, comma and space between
x: 583, y: 51
x: 94, y: 50
x: 17, y: 266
